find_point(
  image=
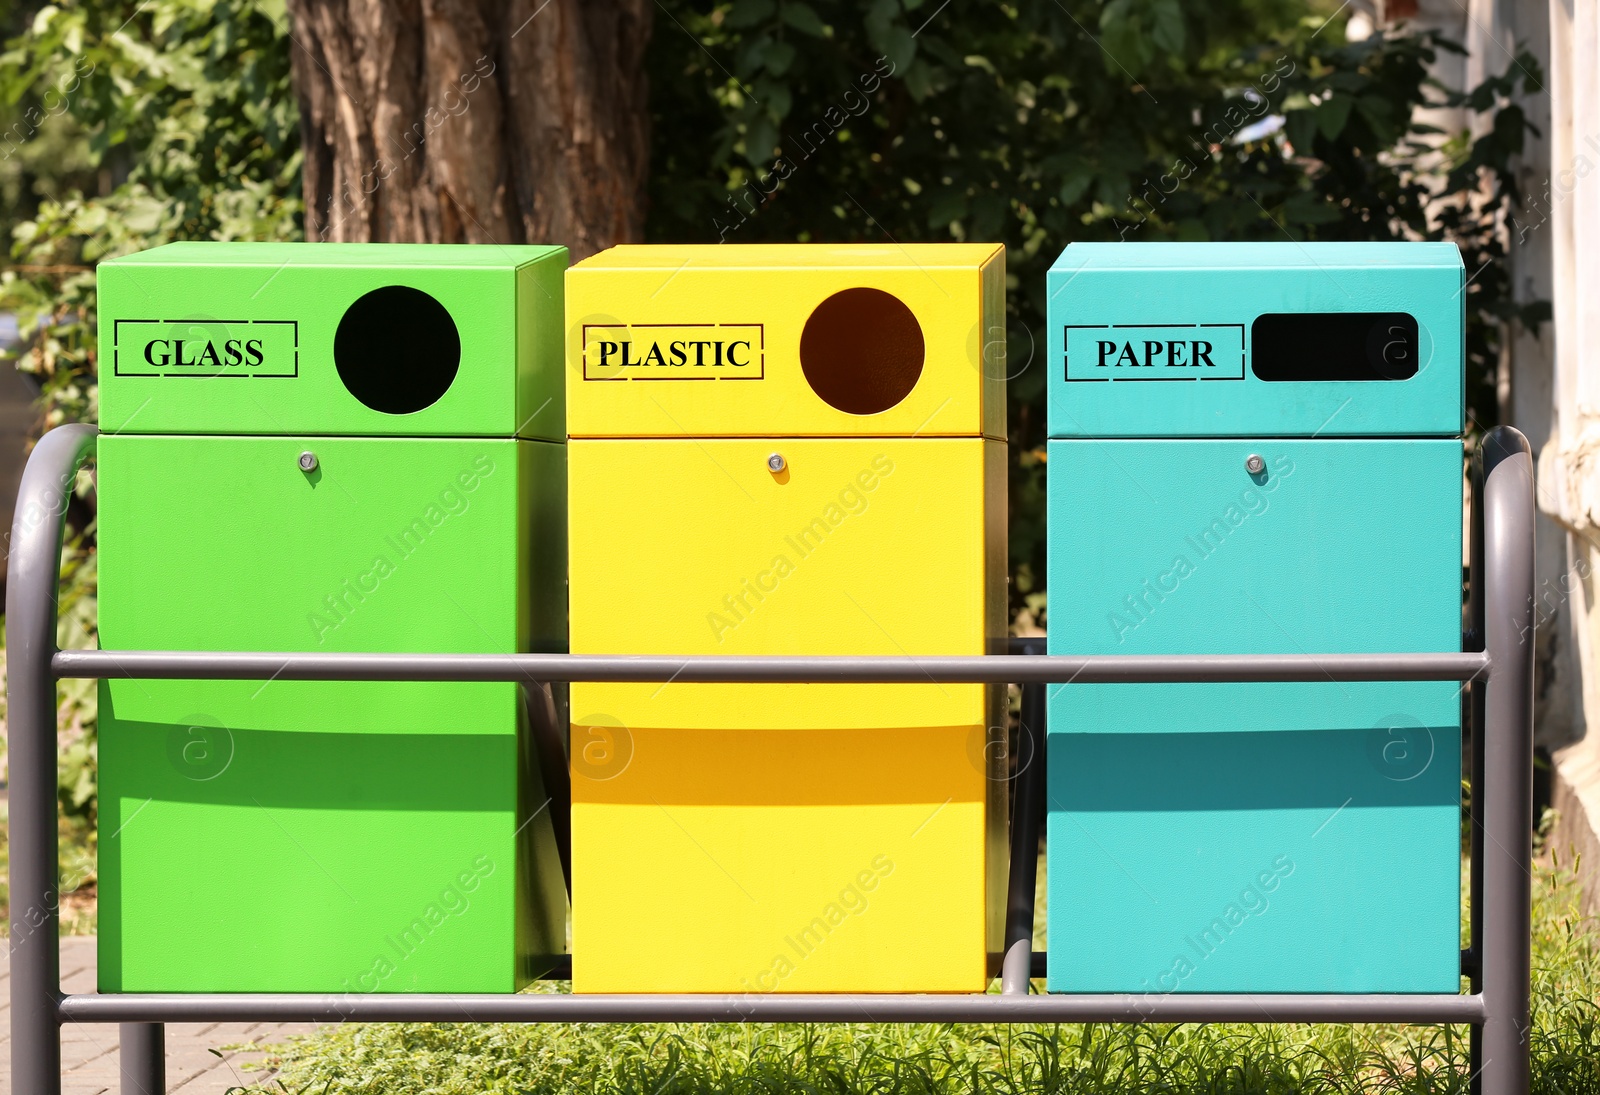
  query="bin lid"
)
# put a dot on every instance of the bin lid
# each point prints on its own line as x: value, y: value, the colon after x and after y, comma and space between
x: 361, y: 339
x: 1279, y: 339
x: 787, y: 340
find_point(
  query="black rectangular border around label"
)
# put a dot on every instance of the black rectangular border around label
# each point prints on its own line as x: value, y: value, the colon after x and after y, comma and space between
x: 116, y: 361
x: 583, y: 352
x: 1066, y: 369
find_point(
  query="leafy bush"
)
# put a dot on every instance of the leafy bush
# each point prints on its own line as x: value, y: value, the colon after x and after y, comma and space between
x: 191, y: 104
x: 1033, y: 124
x: 1039, y: 124
x: 194, y: 101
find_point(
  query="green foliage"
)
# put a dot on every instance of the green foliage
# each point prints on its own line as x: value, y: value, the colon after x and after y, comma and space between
x: 188, y: 104
x: 189, y: 101
x: 1035, y: 124
x: 78, y: 881
x: 77, y: 754
x: 446, y: 1059
x: 77, y: 627
x: 1041, y: 124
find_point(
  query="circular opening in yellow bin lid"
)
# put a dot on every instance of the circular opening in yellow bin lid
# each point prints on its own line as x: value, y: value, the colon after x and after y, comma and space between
x: 397, y: 349
x: 862, y: 351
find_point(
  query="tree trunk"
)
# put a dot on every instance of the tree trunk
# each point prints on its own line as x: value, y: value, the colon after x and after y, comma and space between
x: 478, y: 121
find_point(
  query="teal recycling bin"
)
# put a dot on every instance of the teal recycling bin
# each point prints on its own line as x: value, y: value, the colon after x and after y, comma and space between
x: 1255, y: 448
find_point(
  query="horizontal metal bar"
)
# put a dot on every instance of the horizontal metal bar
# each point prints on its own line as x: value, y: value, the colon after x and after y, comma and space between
x: 768, y: 1008
x: 996, y: 668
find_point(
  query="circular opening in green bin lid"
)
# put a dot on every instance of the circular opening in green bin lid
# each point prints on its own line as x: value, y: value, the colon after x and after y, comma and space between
x: 862, y: 351
x: 397, y: 349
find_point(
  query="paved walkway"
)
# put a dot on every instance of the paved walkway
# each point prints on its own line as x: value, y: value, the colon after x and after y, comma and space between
x: 89, y: 1051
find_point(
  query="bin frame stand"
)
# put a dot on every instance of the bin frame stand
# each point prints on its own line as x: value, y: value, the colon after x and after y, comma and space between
x: 1498, y: 960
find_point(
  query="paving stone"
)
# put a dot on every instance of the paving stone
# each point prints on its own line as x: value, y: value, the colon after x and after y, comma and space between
x: 89, y: 1056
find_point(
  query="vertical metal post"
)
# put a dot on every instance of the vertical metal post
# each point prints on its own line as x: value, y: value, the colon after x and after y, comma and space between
x: 1504, y: 957
x: 1474, y: 727
x: 143, y: 1061
x: 1027, y: 808
x: 34, y: 569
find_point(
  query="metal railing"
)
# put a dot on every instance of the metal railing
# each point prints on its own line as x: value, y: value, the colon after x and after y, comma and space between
x: 1497, y: 961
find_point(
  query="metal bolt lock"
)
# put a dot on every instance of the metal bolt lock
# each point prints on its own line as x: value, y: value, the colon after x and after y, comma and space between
x: 308, y: 461
x: 776, y: 462
x: 1254, y: 464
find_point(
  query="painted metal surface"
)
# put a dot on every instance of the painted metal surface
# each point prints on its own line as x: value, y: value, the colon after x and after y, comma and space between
x: 1241, y: 835
x: 778, y: 1008
x: 412, y: 795
x: 33, y: 864
x: 271, y: 491
x: 1498, y: 1010
x: 1175, y: 339
x: 777, y: 669
x: 258, y: 324
x: 786, y: 837
x: 682, y: 310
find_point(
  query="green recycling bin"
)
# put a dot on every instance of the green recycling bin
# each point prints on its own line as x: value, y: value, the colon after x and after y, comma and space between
x: 328, y: 448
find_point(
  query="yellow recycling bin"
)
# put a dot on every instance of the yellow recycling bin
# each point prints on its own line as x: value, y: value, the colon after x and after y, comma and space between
x: 787, y: 450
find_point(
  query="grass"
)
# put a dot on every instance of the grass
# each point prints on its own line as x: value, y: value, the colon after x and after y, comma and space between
x: 786, y: 1059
